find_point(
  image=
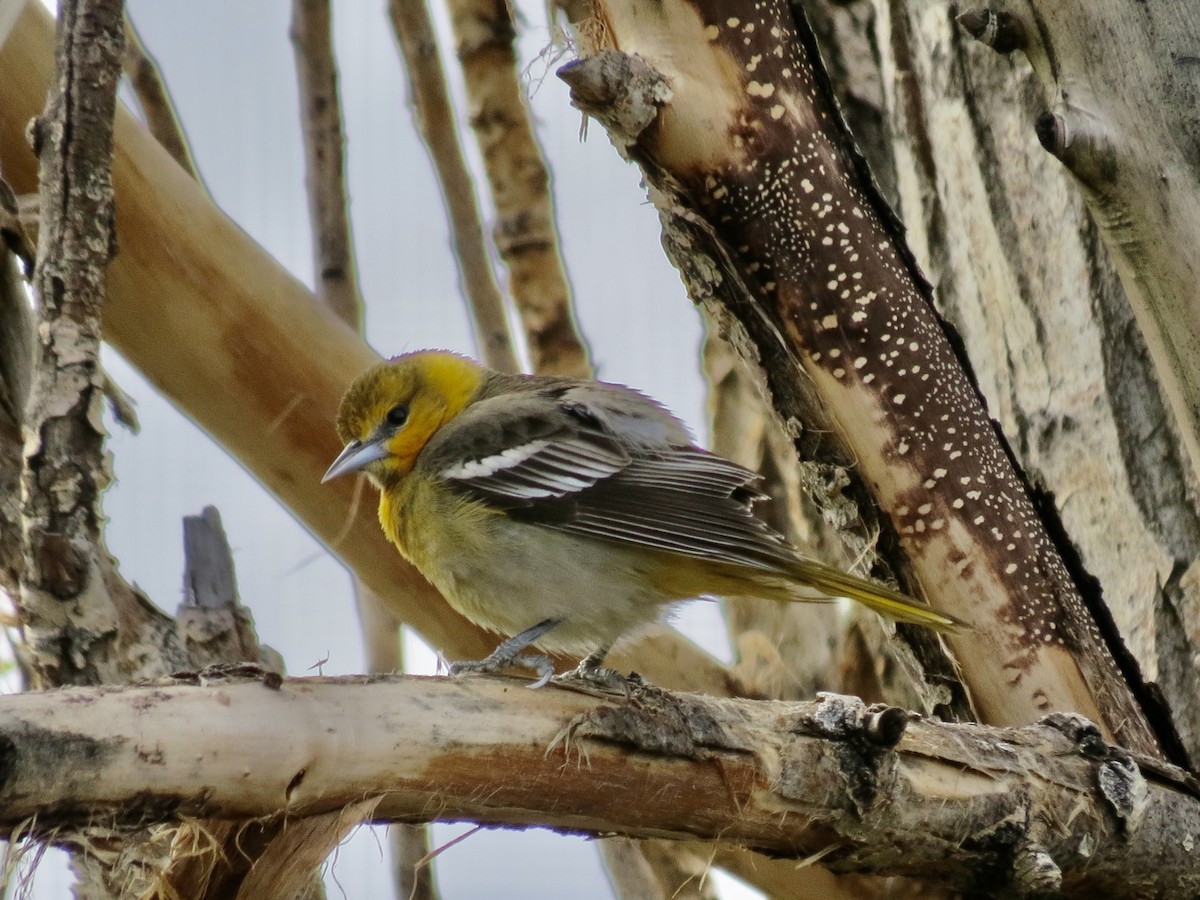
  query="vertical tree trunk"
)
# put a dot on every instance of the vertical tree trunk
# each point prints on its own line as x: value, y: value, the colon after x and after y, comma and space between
x: 765, y: 207
x: 1002, y: 230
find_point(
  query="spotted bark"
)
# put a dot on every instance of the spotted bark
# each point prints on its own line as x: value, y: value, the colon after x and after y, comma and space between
x: 740, y: 134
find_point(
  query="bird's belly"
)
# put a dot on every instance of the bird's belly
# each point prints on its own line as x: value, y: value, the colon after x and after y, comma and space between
x: 508, y: 576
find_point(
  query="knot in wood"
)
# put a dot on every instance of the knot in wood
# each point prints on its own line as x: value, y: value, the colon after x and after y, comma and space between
x: 883, y: 726
x: 1035, y: 873
x: 1124, y: 788
x: 1001, y: 31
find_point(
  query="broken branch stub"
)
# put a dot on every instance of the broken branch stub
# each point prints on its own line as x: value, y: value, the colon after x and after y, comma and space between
x: 620, y: 90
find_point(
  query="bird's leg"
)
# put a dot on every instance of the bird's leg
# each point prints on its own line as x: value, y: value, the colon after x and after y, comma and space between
x: 508, y: 654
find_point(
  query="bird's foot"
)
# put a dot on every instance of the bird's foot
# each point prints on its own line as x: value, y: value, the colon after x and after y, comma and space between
x: 508, y: 654
x: 596, y: 676
x: 540, y: 664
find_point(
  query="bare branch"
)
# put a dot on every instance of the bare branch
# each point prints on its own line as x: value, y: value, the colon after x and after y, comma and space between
x: 335, y: 275
x: 216, y: 629
x: 78, y: 614
x: 525, y: 231
x: 1045, y: 807
x: 155, y: 100
x: 434, y: 117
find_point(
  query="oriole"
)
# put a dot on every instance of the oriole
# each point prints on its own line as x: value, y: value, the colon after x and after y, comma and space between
x: 565, y: 513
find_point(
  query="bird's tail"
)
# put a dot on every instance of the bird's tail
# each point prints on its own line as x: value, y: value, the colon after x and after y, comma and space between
x: 873, y: 595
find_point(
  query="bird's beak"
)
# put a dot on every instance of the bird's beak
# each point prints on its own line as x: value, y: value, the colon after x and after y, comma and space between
x: 354, y: 456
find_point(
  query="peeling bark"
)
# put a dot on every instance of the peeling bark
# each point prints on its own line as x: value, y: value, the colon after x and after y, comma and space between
x: 81, y: 623
x: 872, y: 789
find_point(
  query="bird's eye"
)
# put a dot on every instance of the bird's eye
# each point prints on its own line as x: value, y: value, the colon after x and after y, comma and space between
x: 397, y: 415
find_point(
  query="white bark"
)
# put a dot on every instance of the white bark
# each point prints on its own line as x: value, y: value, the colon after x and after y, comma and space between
x: 982, y: 808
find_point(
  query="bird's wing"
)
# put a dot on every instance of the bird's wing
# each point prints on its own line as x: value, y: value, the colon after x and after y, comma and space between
x: 623, y: 472
x: 521, y: 449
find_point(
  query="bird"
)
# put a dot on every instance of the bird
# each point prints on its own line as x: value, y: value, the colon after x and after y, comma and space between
x: 565, y: 514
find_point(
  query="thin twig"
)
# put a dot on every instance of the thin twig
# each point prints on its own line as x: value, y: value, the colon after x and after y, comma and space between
x: 155, y: 100
x: 335, y: 276
x: 434, y: 117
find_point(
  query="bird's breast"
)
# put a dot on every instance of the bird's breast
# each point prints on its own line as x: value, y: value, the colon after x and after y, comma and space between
x: 431, y: 525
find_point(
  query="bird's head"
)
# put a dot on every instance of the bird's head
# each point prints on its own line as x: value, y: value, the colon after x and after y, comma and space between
x: 392, y: 410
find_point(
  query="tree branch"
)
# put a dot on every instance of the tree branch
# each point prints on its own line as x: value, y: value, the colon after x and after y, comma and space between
x: 1044, y: 807
x: 785, y: 651
x: 335, y: 276
x: 1138, y: 179
x: 16, y: 372
x: 155, y: 100
x: 525, y: 232
x: 335, y: 280
x: 434, y: 116
x: 79, y: 616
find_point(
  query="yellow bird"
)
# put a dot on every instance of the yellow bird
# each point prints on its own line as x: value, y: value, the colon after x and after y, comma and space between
x: 566, y: 513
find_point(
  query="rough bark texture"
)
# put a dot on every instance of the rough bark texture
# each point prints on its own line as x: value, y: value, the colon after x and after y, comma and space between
x: 525, y: 233
x: 1023, y: 274
x: 1118, y: 108
x: 16, y: 372
x: 434, y: 116
x: 872, y: 789
x: 81, y: 623
x: 744, y: 138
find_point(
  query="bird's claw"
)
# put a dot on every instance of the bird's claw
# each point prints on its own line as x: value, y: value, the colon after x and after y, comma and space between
x: 540, y: 664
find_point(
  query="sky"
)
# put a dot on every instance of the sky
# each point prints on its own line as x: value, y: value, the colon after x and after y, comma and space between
x: 230, y: 69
